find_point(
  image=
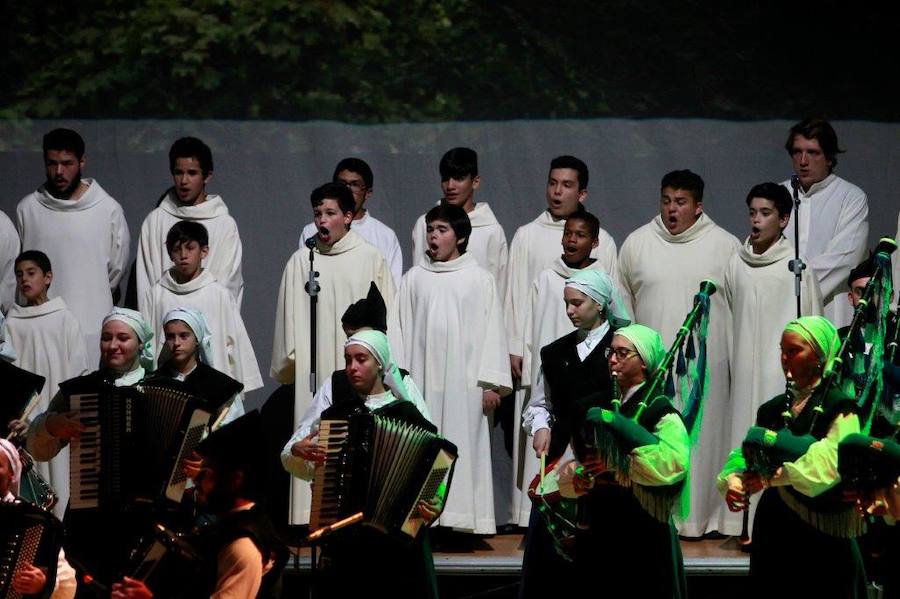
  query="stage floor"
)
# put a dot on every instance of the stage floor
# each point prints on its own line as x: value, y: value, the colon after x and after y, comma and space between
x: 501, y: 555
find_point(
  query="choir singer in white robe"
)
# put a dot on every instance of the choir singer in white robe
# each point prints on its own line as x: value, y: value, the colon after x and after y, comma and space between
x: 661, y: 265
x: 759, y: 288
x: 833, y: 217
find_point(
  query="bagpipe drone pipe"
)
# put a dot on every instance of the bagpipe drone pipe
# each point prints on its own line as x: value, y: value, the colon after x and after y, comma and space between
x: 613, y: 434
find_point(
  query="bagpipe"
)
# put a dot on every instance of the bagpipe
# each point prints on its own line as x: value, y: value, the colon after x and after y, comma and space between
x: 613, y: 434
x: 766, y: 450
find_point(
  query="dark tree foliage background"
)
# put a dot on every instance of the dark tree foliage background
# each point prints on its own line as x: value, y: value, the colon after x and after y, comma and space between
x: 373, y: 61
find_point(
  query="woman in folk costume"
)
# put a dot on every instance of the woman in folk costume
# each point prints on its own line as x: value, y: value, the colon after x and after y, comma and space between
x: 572, y: 367
x: 629, y: 484
x: 360, y: 558
x: 187, y: 357
x: 97, y: 539
x: 803, y: 525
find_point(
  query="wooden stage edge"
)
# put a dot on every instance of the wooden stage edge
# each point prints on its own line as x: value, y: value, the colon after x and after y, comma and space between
x: 501, y: 555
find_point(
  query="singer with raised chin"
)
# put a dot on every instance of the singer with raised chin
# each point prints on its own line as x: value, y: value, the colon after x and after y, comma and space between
x: 346, y: 265
x: 660, y: 265
x: 833, y: 214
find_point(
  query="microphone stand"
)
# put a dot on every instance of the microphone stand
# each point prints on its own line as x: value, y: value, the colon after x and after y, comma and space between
x: 797, y: 266
x: 312, y: 288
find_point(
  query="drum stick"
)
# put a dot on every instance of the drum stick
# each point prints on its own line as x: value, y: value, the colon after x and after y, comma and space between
x: 543, y: 467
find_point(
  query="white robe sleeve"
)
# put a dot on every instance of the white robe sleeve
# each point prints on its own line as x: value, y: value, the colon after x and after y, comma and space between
x: 517, y: 294
x: 9, y: 249
x: 76, y: 353
x: 625, y: 278
x: 148, y: 266
x: 536, y: 414
x: 418, y: 241
x: 119, y: 247
x: 295, y: 465
x: 284, y: 345
x: 231, y: 254
x: 395, y: 259
x: 494, y: 371
x: 499, y: 250
x: 842, y: 251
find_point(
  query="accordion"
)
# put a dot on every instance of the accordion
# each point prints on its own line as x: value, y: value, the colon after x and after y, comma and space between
x: 28, y: 536
x: 379, y: 463
x: 134, y: 445
x: 165, y: 561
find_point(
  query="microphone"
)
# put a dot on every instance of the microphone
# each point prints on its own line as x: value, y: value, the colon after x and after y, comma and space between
x: 795, y: 181
x: 311, y: 242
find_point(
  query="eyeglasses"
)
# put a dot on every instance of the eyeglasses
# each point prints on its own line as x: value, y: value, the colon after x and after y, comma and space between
x: 620, y: 352
x: 354, y: 185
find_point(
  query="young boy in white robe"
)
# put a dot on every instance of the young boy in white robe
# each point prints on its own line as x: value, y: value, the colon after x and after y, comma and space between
x: 449, y: 316
x: 759, y: 289
x: 187, y: 284
x: 74, y: 220
x: 49, y: 342
x: 191, y: 166
x: 661, y: 265
x: 346, y: 265
x: 356, y: 174
x: 459, y: 182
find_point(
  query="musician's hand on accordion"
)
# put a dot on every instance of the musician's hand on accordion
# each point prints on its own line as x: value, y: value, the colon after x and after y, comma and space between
x: 193, y: 465
x: 308, y: 448
x: 130, y: 588
x: 29, y: 580
x: 430, y: 510
x: 64, y: 425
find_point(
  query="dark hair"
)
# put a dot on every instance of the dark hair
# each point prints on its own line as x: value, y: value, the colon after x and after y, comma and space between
x: 777, y: 194
x: 456, y: 217
x: 575, y: 164
x: 685, y: 180
x: 354, y: 165
x: 191, y: 147
x: 64, y: 140
x: 592, y: 222
x: 184, y: 231
x: 820, y: 130
x: 36, y: 256
x: 459, y: 163
x: 334, y: 191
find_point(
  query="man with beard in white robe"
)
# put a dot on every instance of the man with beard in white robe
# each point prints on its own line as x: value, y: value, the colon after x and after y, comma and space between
x: 188, y: 285
x: 9, y: 249
x: 449, y: 316
x: 759, y: 289
x: 347, y: 265
x: 833, y: 217
x: 191, y: 166
x: 49, y: 342
x: 82, y: 230
x: 356, y: 174
x: 535, y: 247
x: 661, y: 266
x: 459, y: 181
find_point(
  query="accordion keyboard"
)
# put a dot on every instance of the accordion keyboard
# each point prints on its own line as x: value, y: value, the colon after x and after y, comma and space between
x: 84, y: 456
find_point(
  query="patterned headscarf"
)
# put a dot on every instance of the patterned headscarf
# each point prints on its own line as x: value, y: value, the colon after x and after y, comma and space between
x: 598, y: 286
x: 140, y: 327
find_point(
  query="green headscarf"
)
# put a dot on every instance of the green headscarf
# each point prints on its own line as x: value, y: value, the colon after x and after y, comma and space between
x: 821, y: 335
x: 142, y: 330
x: 598, y: 286
x: 648, y: 344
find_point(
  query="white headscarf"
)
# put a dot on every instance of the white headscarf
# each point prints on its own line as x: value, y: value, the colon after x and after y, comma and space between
x: 15, y: 465
x: 598, y: 286
x: 140, y: 327
x: 197, y: 322
x: 377, y: 344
